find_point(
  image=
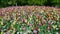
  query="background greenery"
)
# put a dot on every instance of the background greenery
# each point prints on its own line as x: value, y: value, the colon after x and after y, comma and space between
x: 5, y: 3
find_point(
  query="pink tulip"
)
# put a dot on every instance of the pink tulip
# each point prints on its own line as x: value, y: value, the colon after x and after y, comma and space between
x: 49, y: 27
x: 49, y: 22
x: 24, y: 28
x: 35, y: 32
x: 29, y: 24
x: 44, y: 21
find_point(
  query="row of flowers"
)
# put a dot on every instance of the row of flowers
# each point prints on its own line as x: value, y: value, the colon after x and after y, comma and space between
x: 29, y: 22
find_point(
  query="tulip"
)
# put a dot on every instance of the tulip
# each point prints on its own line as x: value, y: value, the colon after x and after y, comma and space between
x: 32, y: 29
x: 29, y: 24
x: 23, y: 20
x: 26, y: 15
x: 24, y: 28
x: 37, y: 16
x: 49, y: 27
x: 39, y: 30
x: 7, y: 33
x: 49, y: 22
x: 44, y: 21
x: 35, y: 32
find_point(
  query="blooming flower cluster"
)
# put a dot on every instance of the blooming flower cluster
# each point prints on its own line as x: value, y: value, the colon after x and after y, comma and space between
x: 18, y: 21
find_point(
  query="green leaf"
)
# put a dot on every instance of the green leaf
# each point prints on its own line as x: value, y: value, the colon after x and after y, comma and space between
x: 10, y: 2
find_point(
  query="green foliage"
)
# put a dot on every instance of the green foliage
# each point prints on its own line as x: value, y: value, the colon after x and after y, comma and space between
x: 4, y: 3
x: 36, y: 2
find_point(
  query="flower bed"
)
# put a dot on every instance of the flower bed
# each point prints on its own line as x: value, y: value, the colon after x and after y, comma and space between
x: 29, y: 20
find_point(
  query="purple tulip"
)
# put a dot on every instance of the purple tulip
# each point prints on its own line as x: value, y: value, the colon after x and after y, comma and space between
x: 7, y: 32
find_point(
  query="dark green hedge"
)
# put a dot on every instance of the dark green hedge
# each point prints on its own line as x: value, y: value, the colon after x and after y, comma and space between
x: 4, y: 3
